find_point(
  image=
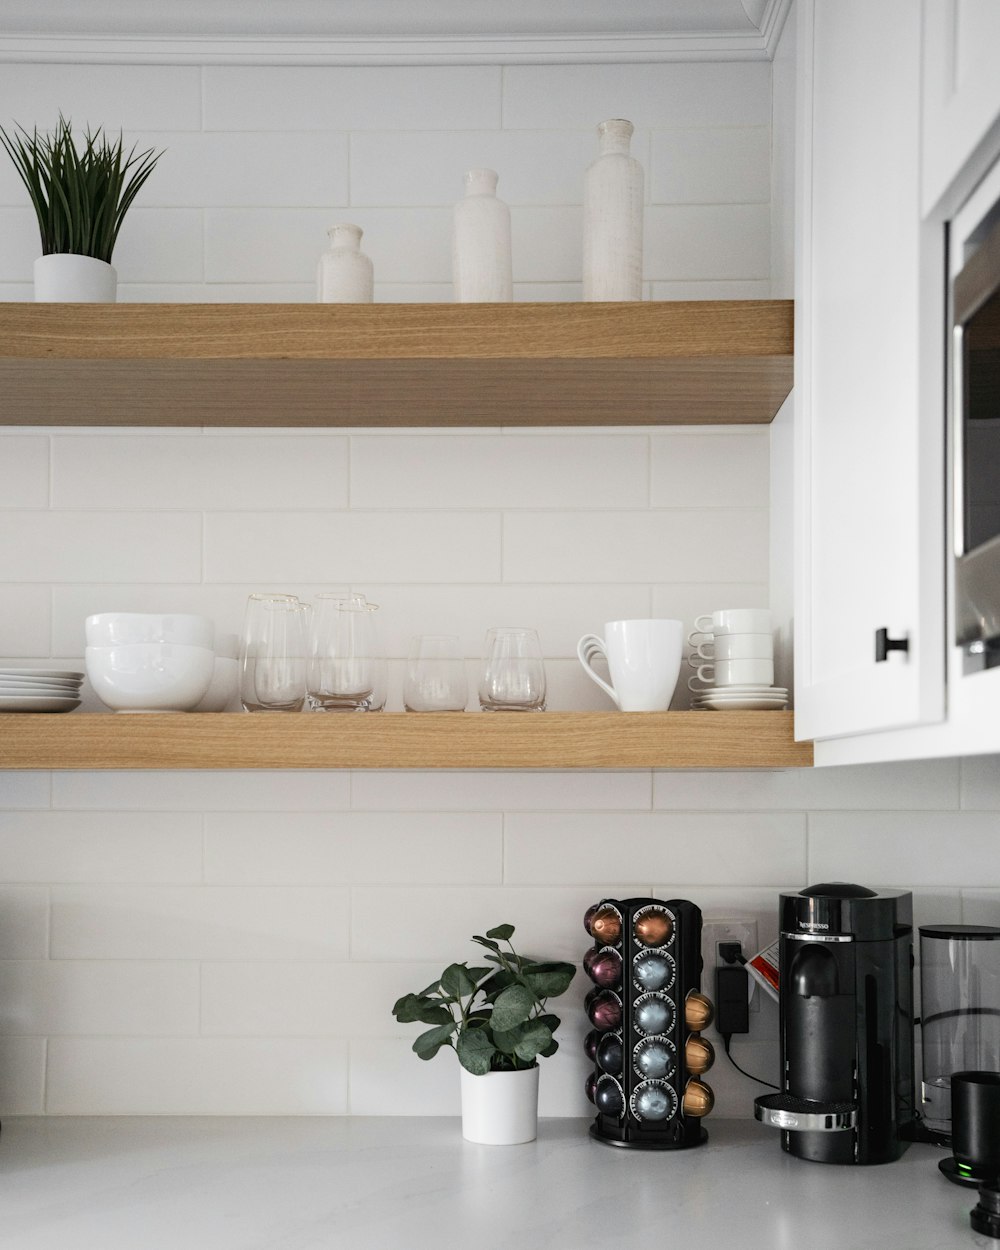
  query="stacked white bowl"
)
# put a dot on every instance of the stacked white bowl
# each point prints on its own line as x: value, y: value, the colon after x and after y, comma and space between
x: 150, y: 661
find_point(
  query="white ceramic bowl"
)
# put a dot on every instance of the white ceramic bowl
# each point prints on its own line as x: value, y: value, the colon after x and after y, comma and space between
x: 225, y: 685
x: 116, y: 629
x: 151, y: 676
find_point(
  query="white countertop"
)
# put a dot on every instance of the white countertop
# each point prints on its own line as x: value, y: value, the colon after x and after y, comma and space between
x: 145, y: 1183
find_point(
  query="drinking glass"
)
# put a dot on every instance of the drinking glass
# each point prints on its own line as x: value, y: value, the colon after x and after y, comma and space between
x: 435, y: 675
x: 273, y: 654
x: 347, y: 667
x: 513, y: 677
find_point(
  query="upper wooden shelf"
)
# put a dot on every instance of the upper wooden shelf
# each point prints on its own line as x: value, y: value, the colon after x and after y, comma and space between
x: 562, y: 740
x: 646, y: 363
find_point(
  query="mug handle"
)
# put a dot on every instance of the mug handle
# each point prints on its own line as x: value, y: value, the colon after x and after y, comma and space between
x: 708, y: 642
x: 589, y: 646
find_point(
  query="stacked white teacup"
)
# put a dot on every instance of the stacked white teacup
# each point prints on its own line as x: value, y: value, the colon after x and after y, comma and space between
x: 733, y: 660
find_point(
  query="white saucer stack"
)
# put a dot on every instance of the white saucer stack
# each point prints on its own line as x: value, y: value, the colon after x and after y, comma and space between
x: 733, y: 659
x: 39, y: 690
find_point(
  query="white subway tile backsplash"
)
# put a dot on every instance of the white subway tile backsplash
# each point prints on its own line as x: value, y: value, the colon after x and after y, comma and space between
x: 24, y: 789
x: 712, y: 288
x: 24, y: 922
x: 534, y: 166
x: 25, y: 625
x: 547, y: 243
x: 140, y: 97
x: 42, y: 847
x: 19, y: 243
x: 303, y: 292
x: 212, y: 168
x: 387, y: 1078
x: 24, y: 471
x: 729, y: 165
x: 904, y: 848
x: 130, y: 997
x: 22, y: 1075
x: 866, y: 787
x: 196, y: 1076
x: 207, y: 922
x: 708, y: 471
x: 161, y: 245
x: 980, y: 779
x: 348, y: 848
x: 682, y: 545
x: 499, y: 472
x: 439, y: 923
x: 199, y: 472
x: 309, y: 999
x: 562, y: 849
x: 980, y: 907
x: 100, y: 546
x: 681, y: 94
x: 688, y: 241
x: 442, y: 790
x: 350, y: 547
x: 310, y: 98
x: 231, y: 791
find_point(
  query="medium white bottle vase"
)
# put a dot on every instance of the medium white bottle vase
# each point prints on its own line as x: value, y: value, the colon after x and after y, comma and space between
x: 612, y: 218
x: 480, y: 248
x: 345, y: 274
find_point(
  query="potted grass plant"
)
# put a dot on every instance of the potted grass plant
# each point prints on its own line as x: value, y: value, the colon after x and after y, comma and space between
x: 495, y: 1019
x: 80, y: 197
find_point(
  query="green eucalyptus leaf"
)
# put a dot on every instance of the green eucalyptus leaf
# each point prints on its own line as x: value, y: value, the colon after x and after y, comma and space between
x: 503, y: 932
x: 549, y: 1050
x: 548, y: 980
x: 512, y: 1007
x: 428, y: 1044
x: 455, y: 980
x: 535, y: 1039
x: 477, y: 974
x: 485, y: 942
x: 475, y: 1051
x: 415, y: 1008
x: 497, y: 983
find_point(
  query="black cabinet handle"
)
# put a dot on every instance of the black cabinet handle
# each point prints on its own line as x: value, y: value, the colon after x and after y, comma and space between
x: 884, y: 644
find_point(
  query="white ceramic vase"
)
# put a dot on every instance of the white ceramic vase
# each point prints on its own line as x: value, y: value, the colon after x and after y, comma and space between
x: 500, y: 1108
x: 65, y: 278
x: 345, y: 274
x: 612, y: 218
x: 481, y: 255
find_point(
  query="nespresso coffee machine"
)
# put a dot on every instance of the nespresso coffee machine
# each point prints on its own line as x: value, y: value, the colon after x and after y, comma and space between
x: 846, y: 1025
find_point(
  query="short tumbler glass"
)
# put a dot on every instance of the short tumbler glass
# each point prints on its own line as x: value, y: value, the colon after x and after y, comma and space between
x: 347, y: 666
x: 435, y: 675
x: 273, y: 654
x: 513, y: 677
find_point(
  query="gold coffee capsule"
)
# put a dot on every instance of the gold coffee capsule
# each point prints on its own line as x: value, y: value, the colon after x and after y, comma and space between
x: 698, y: 1011
x: 698, y: 1098
x: 699, y: 1054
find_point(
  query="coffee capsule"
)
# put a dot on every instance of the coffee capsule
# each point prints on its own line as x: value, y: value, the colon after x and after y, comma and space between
x: 590, y: 1086
x: 606, y: 969
x: 653, y: 970
x: 605, y: 1011
x: 699, y: 1054
x: 653, y: 1100
x: 698, y: 1098
x: 653, y: 1013
x: 608, y: 1096
x: 653, y: 926
x: 610, y: 1055
x: 653, y: 1057
x: 606, y: 925
x: 698, y: 1011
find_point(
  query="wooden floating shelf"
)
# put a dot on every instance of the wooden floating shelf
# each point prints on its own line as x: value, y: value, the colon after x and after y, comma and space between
x: 643, y: 363
x: 561, y: 740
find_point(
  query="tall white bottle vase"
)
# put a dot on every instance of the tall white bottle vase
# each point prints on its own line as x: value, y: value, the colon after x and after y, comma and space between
x: 345, y: 274
x: 480, y: 250
x: 612, y: 218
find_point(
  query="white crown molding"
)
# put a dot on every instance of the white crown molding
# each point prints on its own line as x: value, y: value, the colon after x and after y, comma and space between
x: 711, y: 30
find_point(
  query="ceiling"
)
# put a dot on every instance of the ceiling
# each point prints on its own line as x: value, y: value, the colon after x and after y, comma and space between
x: 391, y: 31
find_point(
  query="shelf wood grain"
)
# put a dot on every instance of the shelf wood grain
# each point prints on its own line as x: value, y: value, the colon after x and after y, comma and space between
x: 561, y: 740
x: 395, y: 365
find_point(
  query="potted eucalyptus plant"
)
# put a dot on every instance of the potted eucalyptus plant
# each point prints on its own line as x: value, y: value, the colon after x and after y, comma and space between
x: 80, y: 198
x: 495, y: 1019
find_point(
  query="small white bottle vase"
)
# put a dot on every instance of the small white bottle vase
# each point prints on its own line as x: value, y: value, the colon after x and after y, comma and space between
x: 480, y: 247
x: 345, y: 274
x: 612, y: 218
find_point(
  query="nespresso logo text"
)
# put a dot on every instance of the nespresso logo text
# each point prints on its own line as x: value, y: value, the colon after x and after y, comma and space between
x: 812, y: 924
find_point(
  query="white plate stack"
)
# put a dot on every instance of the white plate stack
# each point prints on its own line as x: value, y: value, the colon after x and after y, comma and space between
x: 39, y: 690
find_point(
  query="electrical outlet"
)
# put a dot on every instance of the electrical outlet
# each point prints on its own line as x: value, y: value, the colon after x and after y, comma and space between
x: 742, y: 929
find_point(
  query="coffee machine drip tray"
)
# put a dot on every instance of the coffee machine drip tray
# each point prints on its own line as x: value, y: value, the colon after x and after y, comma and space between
x: 799, y: 1115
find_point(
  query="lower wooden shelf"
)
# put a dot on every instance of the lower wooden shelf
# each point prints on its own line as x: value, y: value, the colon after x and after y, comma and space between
x: 403, y: 740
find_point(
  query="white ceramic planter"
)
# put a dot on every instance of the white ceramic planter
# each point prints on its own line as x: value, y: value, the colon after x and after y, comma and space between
x: 500, y: 1108
x: 64, y: 278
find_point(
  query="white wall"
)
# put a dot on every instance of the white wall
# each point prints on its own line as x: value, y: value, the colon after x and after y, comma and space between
x: 232, y: 943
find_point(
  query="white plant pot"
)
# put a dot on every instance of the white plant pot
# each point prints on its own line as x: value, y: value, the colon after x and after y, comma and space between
x: 500, y: 1108
x: 65, y: 278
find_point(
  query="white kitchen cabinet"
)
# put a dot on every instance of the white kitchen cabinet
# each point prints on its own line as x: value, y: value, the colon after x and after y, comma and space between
x: 868, y: 364
x: 961, y: 97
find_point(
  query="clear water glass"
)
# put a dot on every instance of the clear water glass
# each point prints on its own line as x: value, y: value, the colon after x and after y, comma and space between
x: 435, y: 678
x: 513, y: 677
x: 347, y: 666
x: 273, y: 654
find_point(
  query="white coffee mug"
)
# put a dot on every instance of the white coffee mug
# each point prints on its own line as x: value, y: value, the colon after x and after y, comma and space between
x: 737, y: 673
x: 644, y: 660
x: 734, y: 621
x: 736, y: 647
